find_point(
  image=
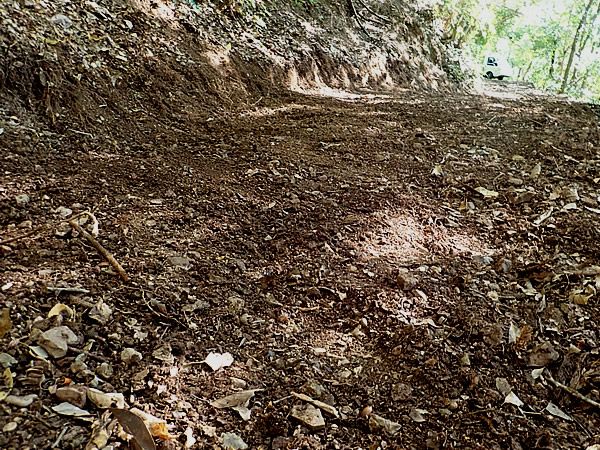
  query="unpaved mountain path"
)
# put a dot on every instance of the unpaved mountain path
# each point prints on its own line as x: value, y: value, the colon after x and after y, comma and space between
x: 405, y: 256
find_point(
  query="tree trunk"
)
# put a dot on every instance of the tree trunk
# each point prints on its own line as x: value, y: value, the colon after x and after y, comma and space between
x: 527, y: 70
x: 563, y: 86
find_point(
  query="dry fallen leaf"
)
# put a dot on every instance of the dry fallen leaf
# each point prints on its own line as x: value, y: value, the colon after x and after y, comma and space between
x: 5, y: 322
x: 556, y: 411
x: 106, y: 400
x: 219, y: 360
x: 7, y: 383
x: 67, y: 409
x: 157, y: 427
x: 487, y: 193
x: 513, y: 399
x: 377, y: 422
x: 135, y: 426
x: 61, y: 309
x: 237, y: 399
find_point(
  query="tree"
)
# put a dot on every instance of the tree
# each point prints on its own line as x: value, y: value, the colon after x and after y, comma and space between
x: 574, y: 45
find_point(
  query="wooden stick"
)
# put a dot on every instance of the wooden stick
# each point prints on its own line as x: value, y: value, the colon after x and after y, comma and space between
x: 6, y: 241
x: 571, y: 391
x: 67, y: 290
x: 110, y: 258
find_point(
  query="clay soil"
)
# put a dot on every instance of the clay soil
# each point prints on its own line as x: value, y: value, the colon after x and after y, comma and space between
x: 405, y: 256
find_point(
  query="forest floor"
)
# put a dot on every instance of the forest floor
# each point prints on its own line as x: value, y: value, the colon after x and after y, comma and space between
x: 365, y: 270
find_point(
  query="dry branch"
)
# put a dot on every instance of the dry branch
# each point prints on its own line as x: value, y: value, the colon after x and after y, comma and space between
x: 572, y: 391
x: 110, y: 258
x: 16, y: 238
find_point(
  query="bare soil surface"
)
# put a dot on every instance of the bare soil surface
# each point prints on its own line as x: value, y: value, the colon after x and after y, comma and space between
x: 340, y: 247
x: 361, y: 269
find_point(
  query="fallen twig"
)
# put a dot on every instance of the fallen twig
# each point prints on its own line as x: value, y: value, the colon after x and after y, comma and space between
x: 16, y: 238
x: 59, y: 438
x: 67, y: 290
x: 572, y: 391
x: 110, y: 258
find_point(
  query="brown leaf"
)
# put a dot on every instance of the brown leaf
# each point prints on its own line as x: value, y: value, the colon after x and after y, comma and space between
x: 237, y: 399
x: 5, y: 322
x: 134, y: 425
x: 524, y: 338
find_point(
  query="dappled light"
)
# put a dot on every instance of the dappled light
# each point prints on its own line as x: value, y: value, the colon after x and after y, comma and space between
x: 299, y: 224
x: 404, y: 239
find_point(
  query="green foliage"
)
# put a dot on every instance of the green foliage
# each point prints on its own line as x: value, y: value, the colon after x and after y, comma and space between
x: 538, y: 36
x: 251, y: 11
x: 307, y: 4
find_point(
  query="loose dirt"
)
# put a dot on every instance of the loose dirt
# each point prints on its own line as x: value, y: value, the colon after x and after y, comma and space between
x: 411, y: 259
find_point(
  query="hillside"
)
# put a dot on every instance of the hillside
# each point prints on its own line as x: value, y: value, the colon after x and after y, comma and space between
x: 319, y: 240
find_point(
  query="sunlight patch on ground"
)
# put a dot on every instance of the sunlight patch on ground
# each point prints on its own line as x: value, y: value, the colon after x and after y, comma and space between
x: 403, y: 238
x: 268, y: 112
x: 503, y: 95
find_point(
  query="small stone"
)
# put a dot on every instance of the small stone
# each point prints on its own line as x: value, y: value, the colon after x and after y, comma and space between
x: 61, y: 20
x: 26, y: 224
x: 314, y: 389
x: 452, y: 405
x: 377, y: 423
x: 164, y: 354
x: 105, y: 370
x: 21, y: 401
x: 39, y: 169
x: 7, y: 360
x: 309, y: 416
x: 515, y: 181
x: 101, y: 313
x: 56, y: 341
x: 78, y: 367
x: 503, y: 386
x: 130, y: 356
x: 406, y: 281
x: 64, y: 212
x: 10, y: 426
x: 543, y: 355
x: 22, y: 200
x: 484, y: 260
x: 232, y: 441
x: 179, y: 261
x: 401, y: 392
x: 465, y: 359
x: 74, y: 394
x: 344, y: 374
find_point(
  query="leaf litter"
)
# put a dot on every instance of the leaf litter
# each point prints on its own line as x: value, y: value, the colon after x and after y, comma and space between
x: 318, y: 224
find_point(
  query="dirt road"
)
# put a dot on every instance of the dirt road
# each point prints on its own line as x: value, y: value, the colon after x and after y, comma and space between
x: 417, y: 255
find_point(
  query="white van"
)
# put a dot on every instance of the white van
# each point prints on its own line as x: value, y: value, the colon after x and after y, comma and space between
x: 495, y: 66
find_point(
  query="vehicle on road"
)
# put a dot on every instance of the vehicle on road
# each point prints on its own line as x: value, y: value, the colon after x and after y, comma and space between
x: 495, y: 66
